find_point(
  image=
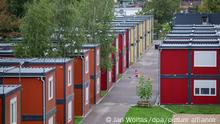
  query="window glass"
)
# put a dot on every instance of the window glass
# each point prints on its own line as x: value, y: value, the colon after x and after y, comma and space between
x: 204, y: 90
x: 50, y: 121
x: 50, y: 88
x: 70, y: 76
x: 70, y: 111
x: 205, y: 58
x: 87, y: 64
x: 13, y: 111
x: 87, y: 95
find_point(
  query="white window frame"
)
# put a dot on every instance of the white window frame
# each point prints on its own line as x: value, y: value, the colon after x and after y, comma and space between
x: 98, y: 85
x: 87, y: 64
x: 203, y: 59
x: 13, y: 110
x: 87, y: 95
x: 98, y: 57
x: 51, y: 120
x: 70, y: 76
x: 205, y: 84
x: 50, y: 88
x: 70, y: 111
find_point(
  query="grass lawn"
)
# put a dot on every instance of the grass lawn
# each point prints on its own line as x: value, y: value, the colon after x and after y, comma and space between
x: 159, y: 115
x: 151, y: 115
x: 77, y: 120
x: 195, y: 109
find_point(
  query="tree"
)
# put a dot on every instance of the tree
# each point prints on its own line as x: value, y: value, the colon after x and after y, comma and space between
x: 68, y: 27
x: 209, y: 6
x: 163, y: 11
x: 9, y: 24
x: 36, y: 30
x: 17, y: 7
x: 96, y: 22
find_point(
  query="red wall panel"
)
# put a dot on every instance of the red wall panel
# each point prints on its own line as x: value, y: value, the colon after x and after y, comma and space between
x: 174, y: 61
x: 173, y: 91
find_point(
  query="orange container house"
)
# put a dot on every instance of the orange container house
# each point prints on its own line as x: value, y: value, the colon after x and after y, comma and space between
x: 81, y: 83
x: 94, y: 70
x: 38, y: 103
x: 10, y: 104
x: 64, y: 86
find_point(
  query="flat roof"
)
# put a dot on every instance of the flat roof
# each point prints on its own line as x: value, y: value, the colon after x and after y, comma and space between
x: 50, y: 60
x: 90, y: 45
x: 5, y: 89
x: 189, y: 46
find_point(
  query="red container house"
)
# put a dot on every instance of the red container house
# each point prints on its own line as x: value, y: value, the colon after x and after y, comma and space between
x: 82, y: 94
x: 38, y: 103
x: 94, y: 70
x: 122, y: 49
x: 115, y: 59
x: 10, y: 104
x: 189, y: 71
x: 64, y: 86
x: 126, y: 43
x: 64, y: 89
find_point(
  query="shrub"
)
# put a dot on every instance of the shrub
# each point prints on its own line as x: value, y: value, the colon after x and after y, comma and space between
x: 144, y: 89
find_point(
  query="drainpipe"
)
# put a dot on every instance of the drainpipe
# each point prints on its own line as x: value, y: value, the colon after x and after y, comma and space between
x: 44, y: 99
x: 83, y: 81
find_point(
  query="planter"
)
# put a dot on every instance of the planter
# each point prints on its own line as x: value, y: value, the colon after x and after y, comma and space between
x: 144, y: 103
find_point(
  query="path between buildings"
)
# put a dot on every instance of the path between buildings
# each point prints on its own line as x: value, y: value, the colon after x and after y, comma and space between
x: 123, y: 95
x: 196, y: 119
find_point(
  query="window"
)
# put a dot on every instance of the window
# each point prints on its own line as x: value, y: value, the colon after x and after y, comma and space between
x: 87, y: 64
x: 124, y: 40
x: 110, y: 76
x: 70, y: 76
x: 13, y: 110
x: 70, y: 111
x: 98, y: 85
x: 50, y: 121
x: 97, y: 57
x: 205, y: 87
x: 116, y: 45
x: 50, y: 88
x: 205, y: 58
x: 87, y: 95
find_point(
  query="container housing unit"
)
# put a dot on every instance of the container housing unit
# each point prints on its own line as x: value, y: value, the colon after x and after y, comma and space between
x: 189, y: 71
x: 121, y: 49
x: 64, y: 92
x: 95, y: 71
x: 10, y: 104
x: 130, y: 38
x: 38, y: 103
x: 81, y: 72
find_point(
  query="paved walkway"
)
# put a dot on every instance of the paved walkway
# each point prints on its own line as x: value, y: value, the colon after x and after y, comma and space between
x: 196, y: 119
x: 123, y: 95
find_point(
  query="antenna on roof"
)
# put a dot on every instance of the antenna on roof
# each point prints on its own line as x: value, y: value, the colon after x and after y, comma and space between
x: 19, y: 77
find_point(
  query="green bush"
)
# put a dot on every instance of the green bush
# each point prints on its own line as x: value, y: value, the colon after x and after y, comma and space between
x: 144, y: 89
